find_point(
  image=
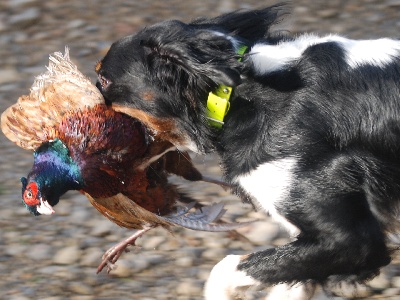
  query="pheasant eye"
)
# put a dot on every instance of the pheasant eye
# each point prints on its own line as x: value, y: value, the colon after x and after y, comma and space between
x: 30, y: 194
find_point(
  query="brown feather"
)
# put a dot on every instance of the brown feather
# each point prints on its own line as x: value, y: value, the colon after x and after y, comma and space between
x: 126, y: 213
x: 60, y: 90
x: 164, y: 128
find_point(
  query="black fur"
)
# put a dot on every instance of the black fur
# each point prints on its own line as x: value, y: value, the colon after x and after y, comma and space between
x: 341, y: 124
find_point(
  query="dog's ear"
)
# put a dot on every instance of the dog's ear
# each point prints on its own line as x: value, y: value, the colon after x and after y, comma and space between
x: 206, y: 47
x: 250, y: 25
x: 176, y: 48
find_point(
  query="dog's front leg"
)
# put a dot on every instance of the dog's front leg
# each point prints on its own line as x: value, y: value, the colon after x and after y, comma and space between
x: 224, y: 279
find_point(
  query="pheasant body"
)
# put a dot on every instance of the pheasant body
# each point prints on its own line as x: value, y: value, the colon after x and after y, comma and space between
x: 119, y: 163
x: 100, y: 152
x: 108, y: 147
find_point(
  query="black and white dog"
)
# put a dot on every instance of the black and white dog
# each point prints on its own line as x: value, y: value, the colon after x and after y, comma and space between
x: 310, y: 132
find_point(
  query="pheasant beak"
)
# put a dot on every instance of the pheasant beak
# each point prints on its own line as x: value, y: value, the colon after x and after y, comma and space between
x: 44, y: 208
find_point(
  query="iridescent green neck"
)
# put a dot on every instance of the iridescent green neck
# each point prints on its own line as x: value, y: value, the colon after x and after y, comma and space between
x: 55, y: 171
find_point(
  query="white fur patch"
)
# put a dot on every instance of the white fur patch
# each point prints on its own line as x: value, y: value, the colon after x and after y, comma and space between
x: 270, y: 58
x: 269, y: 184
x: 373, y: 52
x: 225, y: 278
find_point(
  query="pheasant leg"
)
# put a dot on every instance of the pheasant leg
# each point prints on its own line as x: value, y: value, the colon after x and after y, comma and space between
x: 111, y: 256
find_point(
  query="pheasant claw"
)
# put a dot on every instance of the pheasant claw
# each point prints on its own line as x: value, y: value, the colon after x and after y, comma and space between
x: 112, y: 255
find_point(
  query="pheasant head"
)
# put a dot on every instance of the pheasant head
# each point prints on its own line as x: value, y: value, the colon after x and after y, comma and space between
x: 54, y: 173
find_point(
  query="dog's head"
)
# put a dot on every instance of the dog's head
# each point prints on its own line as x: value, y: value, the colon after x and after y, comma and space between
x: 167, y: 70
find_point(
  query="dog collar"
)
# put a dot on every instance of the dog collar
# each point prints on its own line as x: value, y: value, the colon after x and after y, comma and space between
x: 218, y: 101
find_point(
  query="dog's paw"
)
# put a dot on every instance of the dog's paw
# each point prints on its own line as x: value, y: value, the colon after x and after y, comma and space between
x: 224, y: 279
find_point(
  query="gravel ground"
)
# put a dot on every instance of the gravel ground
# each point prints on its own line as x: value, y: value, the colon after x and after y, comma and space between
x: 55, y: 258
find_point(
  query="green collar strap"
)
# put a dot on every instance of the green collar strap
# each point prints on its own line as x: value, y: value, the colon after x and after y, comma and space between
x: 218, y: 101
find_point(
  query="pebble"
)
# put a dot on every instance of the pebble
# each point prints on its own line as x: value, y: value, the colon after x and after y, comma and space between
x: 79, y: 288
x: 18, y: 297
x: 396, y: 281
x: 26, y: 18
x: 214, y: 253
x: 39, y: 252
x: 16, y: 250
x: 395, y: 292
x: 123, y: 268
x: 154, y: 242
x: 8, y: 75
x: 393, y: 3
x: 262, y: 233
x: 67, y: 256
x: 55, y: 257
x: 154, y: 259
x: 91, y: 257
x: 82, y: 298
x: 189, y: 287
x: 381, y: 282
x: 184, y: 261
x: 21, y: 3
x: 102, y: 228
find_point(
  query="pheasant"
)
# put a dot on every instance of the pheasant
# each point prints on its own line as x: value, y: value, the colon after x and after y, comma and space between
x: 119, y: 162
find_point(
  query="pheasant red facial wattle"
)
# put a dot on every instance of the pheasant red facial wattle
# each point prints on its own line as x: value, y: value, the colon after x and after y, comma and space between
x: 30, y: 193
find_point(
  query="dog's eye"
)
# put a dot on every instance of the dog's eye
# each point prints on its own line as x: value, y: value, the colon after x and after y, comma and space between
x: 104, y: 82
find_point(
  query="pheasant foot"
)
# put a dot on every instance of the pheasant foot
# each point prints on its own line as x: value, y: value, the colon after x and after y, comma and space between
x: 111, y: 256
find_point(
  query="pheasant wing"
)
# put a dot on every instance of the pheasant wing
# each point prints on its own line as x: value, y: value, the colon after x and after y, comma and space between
x: 126, y: 213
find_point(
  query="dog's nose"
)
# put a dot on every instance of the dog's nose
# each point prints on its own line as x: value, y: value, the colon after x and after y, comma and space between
x: 98, y: 85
